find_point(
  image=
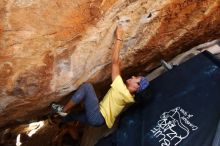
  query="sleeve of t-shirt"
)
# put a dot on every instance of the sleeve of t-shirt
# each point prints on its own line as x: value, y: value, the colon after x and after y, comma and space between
x: 119, y: 85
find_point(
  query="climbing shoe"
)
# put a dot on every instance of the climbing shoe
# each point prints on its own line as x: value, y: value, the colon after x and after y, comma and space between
x: 58, y: 109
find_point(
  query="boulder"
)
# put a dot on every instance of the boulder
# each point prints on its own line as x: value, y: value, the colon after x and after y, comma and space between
x: 48, y: 48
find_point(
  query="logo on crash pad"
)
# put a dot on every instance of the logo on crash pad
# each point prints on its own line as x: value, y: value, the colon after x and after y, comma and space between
x: 173, y: 127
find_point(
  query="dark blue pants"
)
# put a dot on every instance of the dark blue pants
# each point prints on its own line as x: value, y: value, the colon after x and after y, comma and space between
x: 91, y: 114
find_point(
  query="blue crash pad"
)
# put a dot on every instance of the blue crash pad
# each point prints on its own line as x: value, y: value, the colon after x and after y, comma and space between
x: 184, y: 110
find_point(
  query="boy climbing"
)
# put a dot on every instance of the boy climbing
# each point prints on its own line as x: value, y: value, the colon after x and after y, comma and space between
x: 118, y: 96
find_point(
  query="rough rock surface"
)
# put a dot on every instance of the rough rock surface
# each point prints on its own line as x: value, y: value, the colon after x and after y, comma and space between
x: 48, y: 48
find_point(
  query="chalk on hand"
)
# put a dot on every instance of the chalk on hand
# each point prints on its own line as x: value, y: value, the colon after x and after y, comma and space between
x: 123, y: 21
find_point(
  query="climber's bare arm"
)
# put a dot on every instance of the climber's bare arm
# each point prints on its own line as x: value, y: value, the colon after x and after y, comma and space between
x: 115, y: 52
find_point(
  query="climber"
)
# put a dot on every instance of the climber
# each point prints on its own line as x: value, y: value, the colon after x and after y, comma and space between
x: 118, y: 96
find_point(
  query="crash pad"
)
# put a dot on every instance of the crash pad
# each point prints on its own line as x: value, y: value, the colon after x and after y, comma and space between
x: 184, y: 109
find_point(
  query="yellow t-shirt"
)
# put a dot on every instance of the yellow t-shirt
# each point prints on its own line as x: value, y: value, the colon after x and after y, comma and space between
x: 115, y: 100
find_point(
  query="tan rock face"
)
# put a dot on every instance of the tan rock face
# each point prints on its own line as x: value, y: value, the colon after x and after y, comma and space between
x: 48, y: 48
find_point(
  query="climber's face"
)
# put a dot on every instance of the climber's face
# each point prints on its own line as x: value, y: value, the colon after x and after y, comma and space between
x: 133, y: 84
